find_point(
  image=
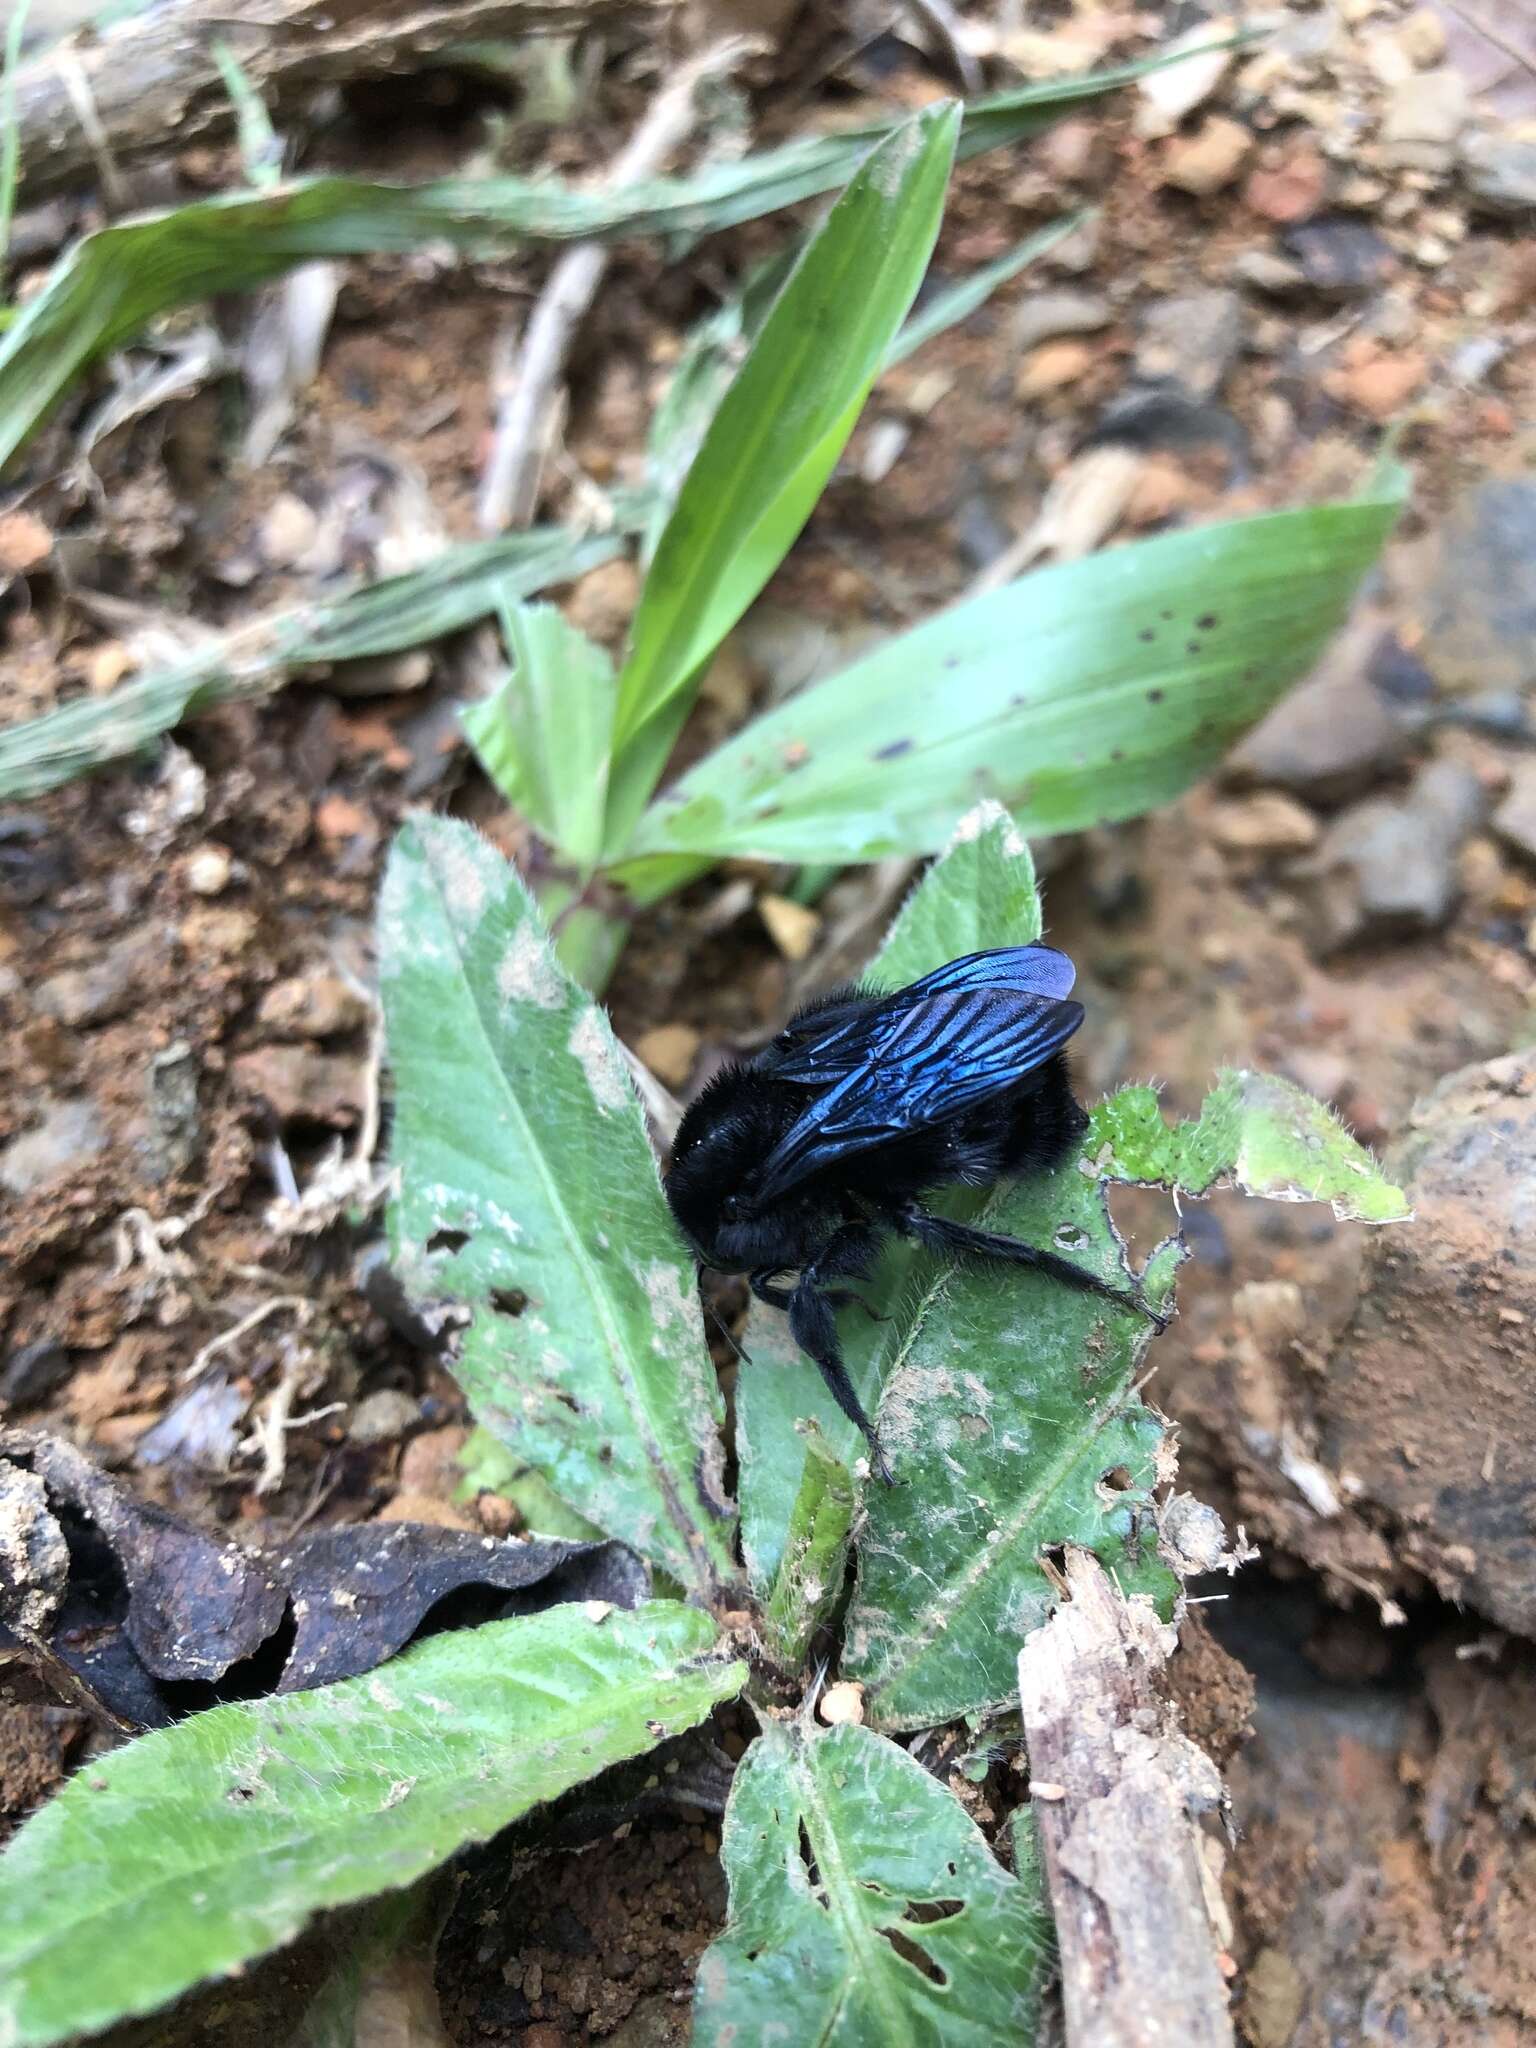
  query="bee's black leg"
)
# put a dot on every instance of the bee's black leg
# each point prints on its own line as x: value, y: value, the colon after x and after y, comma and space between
x: 762, y: 1285
x: 813, y: 1325
x: 941, y: 1235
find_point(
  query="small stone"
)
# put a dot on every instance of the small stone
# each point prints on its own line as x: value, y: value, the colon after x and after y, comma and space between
x: 68, y: 1135
x: 1387, y: 871
x: 80, y: 996
x: 1268, y: 823
x: 1074, y: 152
x: 1421, y: 38
x: 34, y: 1371
x: 208, y: 869
x: 496, y: 1516
x: 321, y: 1004
x: 1515, y: 819
x: 1479, y: 612
x: 1268, y: 271
x: 1051, y: 367
x: 25, y: 543
x: 1044, y: 315
x: 1166, y: 95
x: 1499, y: 170
x: 842, y: 1705
x: 793, y: 927
x: 380, y: 1418
x: 1424, y: 116
x: 1274, y: 1999
x: 1288, y: 186
x: 215, y: 933
x: 287, y: 532
x: 427, y: 1508
x: 1374, y: 380
x: 602, y: 604
x: 381, y: 675
x: 1209, y: 159
x: 669, y: 1050
x: 1329, y: 739
x: 1341, y: 257
x: 1194, y: 338
x: 300, y: 1086
x: 430, y: 1463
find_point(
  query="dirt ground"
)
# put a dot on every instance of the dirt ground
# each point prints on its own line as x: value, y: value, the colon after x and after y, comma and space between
x: 1312, y: 250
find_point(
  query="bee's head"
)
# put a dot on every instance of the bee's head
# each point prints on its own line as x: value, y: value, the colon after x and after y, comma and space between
x: 721, y: 1143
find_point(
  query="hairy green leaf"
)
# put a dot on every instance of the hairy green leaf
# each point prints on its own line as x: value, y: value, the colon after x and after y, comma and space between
x: 1085, y: 692
x: 108, y: 287
x: 543, y: 736
x: 461, y: 585
x: 528, y: 1191
x: 981, y: 893
x: 182, y: 1855
x: 774, y: 437
x: 866, y: 1909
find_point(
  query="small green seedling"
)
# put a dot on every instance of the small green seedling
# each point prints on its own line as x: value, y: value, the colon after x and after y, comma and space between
x: 529, y: 1195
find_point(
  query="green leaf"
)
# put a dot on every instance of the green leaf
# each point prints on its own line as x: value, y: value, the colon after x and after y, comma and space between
x: 981, y: 893
x: 1008, y: 1416
x: 815, y: 1561
x: 1085, y: 692
x: 543, y: 736
x: 489, y: 1467
x: 184, y: 1854
x: 111, y: 284
x: 457, y: 587
x: 1255, y: 1132
x: 775, y: 436
x: 866, y: 1908
x: 528, y: 1191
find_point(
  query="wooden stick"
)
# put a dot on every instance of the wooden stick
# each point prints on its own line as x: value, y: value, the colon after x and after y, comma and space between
x: 150, y: 83
x: 1118, y: 1793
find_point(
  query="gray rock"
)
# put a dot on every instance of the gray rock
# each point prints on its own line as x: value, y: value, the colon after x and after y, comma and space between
x: 1499, y: 171
x: 101, y: 990
x: 1387, y: 871
x: 1045, y: 314
x: 1480, y: 609
x: 69, y: 1134
x: 1515, y: 819
x: 380, y: 1418
x: 1429, y: 1400
x: 1193, y: 339
x: 1330, y: 739
x: 1339, y: 256
x: 1268, y: 271
x: 1425, y: 114
x: 32, y: 1372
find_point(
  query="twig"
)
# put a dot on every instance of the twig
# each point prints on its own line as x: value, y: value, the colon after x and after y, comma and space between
x: 525, y: 426
x: 295, y: 1304
x: 1119, y: 1796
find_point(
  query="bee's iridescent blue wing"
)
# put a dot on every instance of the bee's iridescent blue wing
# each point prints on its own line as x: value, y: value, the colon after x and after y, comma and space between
x: 1026, y: 970
x: 917, y: 1065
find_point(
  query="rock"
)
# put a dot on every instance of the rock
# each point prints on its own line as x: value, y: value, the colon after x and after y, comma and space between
x: 1499, y: 170
x: 25, y: 543
x: 1397, y: 672
x: 669, y: 1051
x: 430, y: 1462
x: 95, y: 994
x: 218, y: 932
x: 1331, y: 738
x: 1166, y: 95
x: 427, y: 1509
x: 1268, y: 271
x: 1421, y: 38
x: 32, y: 1372
x: 793, y: 927
x: 842, y: 1705
x: 1194, y: 338
x: 1425, y: 114
x: 1341, y: 257
x: 382, y: 1417
x: 1051, y: 367
x: 288, y: 531
x: 1268, y: 823
x: 321, y: 1004
x: 1387, y: 871
x: 300, y: 1086
x: 1429, y: 1401
x: 1208, y: 160
x: 603, y: 602
x: 1375, y: 380
x: 1046, y: 314
x: 1288, y: 185
x: 1515, y: 819
x: 208, y: 870
x: 69, y: 1134
x: 1480, y: 610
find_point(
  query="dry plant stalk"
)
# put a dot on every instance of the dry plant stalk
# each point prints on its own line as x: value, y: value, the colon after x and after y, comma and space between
x: 98, y: 101
x: 1118, y: 1796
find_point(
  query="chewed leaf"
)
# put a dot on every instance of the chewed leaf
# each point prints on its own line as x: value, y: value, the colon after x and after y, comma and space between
x: 182, y: 1855
x: 1255, y: 1132
x: 865, y: 1907
x: 528, y: 1191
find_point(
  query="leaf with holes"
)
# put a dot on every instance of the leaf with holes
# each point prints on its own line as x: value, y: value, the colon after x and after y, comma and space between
x: 981, y: 893
x: 866, y: 1909
x: 182, y: 1855
x: 528, y: 1191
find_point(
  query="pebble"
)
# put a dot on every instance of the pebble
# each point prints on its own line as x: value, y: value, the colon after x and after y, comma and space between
x: 34, y: 1371
x: 69, y: 1134
x: 1268, y: 271
x: 603, y: 602
x: 1387, y: 871
x: 380, y: 1418
x: 793, y: 927
x: 1209, y: 159
x: 213, y: 932
x: 1515, y: 819
x: 1374, y: 380
x: 321, y: 1004
x: 1288, y: 186
x: 1424, y: 115
x: 669, y: 1050
x: 1166, y: 95
x: 1479, y: 611
x: 1047, y: 314
x: 1499, y: 170
x: 1051, y: 367
x: 1267, y: 823
x: 301, y: 1086
x: 287, y: 532
x: 1331, y: 738
x: 208, y: 870
x: 1341, y: 257
x: 25, y: 543
x: 842, y: 1705
x: 95, y: 994
x: 1194, y: 337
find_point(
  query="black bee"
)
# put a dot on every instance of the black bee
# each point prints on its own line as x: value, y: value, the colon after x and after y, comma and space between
x: 800, y: 1160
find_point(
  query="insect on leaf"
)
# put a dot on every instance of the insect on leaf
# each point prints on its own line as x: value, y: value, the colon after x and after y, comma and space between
x: 528, y: 1191
x: 184, y: 1854
x: 866, y: 1909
